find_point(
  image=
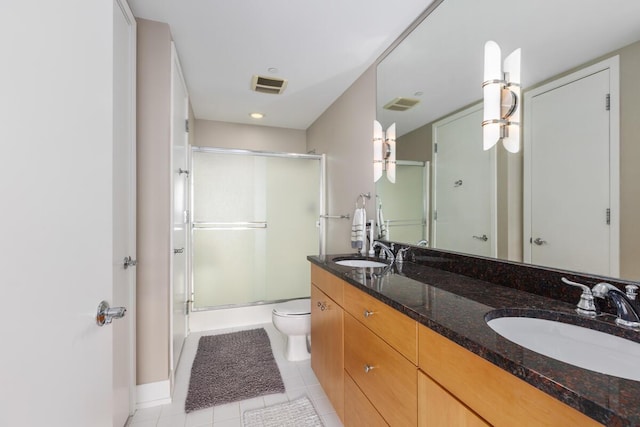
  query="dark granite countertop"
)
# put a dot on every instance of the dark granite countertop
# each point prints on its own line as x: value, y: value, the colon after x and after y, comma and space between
x: 457, y: 307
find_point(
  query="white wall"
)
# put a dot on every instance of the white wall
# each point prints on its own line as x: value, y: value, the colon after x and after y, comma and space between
x: 154, y: 204
x: 210, y: 133
x: 344, y: 132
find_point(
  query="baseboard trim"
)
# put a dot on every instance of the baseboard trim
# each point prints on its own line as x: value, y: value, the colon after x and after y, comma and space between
x: 153, y: 394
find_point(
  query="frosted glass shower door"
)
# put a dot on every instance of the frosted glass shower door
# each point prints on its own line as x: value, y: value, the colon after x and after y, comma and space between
x: 254, y: 223
x: 404, y: 204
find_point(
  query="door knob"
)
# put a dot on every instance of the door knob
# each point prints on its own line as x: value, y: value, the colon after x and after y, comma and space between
x: 106, y: 314
x: 484, y: 237
x: 178, y: 251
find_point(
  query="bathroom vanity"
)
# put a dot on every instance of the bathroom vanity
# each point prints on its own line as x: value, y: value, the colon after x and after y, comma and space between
x: 411, y: 346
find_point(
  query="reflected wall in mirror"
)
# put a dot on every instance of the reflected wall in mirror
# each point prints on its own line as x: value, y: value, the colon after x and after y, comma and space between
x: 441, y: 63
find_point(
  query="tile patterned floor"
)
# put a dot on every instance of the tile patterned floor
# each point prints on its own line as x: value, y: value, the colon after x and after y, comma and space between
x: 298, y: 378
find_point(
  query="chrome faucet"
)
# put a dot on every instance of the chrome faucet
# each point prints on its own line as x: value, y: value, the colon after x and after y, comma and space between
x: 627, y: 311
x: 385, y: 249
x: 402, y: 254
x: 627, y: 307
x: 586, y: 305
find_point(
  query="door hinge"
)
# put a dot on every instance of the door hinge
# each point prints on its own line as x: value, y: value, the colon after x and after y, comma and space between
x: 608, y: 216
x: 607, y: 102
x: 435, y: 147
x: 186, y: 217
x: 188, y: 306
x: 186, y: 125
x: 435, y: 215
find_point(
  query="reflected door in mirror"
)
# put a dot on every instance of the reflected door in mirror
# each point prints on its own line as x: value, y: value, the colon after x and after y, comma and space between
x: 570, y: 179
x: 464, y: 197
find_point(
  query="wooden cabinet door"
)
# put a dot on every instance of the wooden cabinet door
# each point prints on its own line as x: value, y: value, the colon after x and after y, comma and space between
x: 436, y: 407
x: 327, y: 348
x: 358, y: 410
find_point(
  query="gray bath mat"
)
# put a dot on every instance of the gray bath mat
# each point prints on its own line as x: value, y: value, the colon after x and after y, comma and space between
x: 232, y: 367
x: 297, y: 413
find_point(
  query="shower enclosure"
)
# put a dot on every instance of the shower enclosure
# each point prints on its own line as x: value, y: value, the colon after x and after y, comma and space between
x: 255, y: 218
x: 405, y: 204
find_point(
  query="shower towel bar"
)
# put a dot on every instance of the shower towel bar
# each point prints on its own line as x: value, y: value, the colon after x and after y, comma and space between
x: 404, y: 222
x: 229, y: 225
x: 347, y: 216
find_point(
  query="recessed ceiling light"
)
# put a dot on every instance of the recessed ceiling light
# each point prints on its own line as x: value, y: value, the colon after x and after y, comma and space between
x: 256, y: 115
x: 272, y: 70
x: 419, y: 93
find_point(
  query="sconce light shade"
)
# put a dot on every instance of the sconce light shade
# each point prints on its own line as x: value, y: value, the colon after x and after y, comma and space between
x: 378, y: 140
x: 391, y: 159
x: 511, y: 139
x: 492, y: 93
x: 501, y: 91
x: 384, y: 152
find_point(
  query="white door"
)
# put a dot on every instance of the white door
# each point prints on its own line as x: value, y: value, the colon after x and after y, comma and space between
x: 568, y: 177
x: 57, y: 189
x: 180, y: 176
x: 124, y: 212
x: 464, y: 194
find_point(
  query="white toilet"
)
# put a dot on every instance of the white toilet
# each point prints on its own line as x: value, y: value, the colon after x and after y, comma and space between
x: 293, y: 319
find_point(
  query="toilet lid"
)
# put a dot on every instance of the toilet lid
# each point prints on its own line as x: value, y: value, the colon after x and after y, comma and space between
x: 293, y: 307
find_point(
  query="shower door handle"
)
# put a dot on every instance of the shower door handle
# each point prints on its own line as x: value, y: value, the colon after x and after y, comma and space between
x: 129, y: 262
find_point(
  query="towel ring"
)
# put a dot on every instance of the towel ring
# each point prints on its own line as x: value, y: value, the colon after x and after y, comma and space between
x: 363, y: 196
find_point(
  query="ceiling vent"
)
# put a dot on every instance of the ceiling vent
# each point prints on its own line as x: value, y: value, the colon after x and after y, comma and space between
x: 401, y: 104
x: 268, y: 84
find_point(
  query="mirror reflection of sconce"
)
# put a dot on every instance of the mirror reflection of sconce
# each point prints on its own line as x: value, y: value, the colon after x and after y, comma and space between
x: 384, y: 152
x: 501, y: 92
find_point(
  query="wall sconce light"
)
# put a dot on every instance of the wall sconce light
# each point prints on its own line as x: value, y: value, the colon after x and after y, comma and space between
x: 501, y: 92
x: 384, y: 152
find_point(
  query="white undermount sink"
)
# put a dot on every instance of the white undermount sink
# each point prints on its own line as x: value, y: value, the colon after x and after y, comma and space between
x: 362, y: 263
x: 578, y: 346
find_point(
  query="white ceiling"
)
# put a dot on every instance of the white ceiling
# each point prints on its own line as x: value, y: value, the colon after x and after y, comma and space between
x: 320, y: 46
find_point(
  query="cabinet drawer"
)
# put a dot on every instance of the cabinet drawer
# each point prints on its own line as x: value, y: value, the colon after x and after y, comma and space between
x: 360, y: 411
x: 389, y: 324
x: 327, y: 283
x: 387, y: 378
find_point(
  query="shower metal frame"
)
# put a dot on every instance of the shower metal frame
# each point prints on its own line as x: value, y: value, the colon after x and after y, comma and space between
x: 321, y: 223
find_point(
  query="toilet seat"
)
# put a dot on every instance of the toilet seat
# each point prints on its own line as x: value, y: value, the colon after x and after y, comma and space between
x: 293, y: 308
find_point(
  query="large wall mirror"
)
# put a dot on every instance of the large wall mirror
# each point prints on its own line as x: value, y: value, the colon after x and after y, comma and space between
x: 535, y: 205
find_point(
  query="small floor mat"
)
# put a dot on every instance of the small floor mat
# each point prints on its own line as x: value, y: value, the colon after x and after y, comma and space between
x: 297, y: 413
x: 232, y: 367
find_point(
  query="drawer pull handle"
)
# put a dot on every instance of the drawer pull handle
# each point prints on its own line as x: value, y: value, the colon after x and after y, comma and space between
x: 368, y: 313
x: 367, y: 368
x: 323, y: 305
